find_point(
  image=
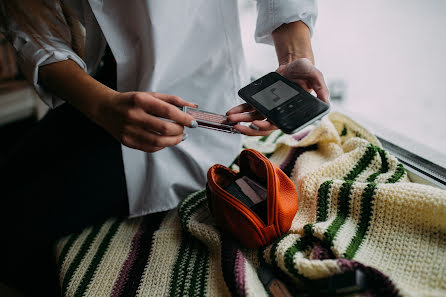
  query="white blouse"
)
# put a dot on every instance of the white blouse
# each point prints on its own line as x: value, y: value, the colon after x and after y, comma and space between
x: 188, y: 48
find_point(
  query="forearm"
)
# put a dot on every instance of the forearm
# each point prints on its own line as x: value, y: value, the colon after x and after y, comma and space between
x: 68, y: 81
x: 133, y: 118
x: 292, y: 41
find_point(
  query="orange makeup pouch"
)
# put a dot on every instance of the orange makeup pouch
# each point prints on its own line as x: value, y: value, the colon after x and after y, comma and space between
x: 257, y: 204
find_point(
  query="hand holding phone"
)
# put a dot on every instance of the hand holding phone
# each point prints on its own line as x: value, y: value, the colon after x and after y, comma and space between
x: 282, y: 102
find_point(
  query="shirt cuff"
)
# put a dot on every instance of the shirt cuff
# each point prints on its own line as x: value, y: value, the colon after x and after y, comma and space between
x: 32, y: 56
x: 273, y: 13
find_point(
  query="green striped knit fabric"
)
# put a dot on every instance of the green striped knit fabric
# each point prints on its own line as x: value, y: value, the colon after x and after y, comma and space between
x: 357, y: 210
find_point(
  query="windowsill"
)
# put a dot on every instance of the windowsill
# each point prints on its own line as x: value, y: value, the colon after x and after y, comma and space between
x: 400, y: 140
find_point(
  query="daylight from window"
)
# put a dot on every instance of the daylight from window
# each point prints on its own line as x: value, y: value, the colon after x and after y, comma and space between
x: 384, y: 62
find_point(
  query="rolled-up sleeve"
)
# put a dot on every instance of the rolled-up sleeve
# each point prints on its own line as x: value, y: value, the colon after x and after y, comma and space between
x: 273, y: 13
x: 31, y: 56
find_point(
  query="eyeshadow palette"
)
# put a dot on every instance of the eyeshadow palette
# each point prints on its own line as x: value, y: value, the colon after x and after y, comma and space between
x: 211, y: 120
x: 251, y: 193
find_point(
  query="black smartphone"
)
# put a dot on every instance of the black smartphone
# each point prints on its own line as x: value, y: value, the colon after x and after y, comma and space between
x: 283, y: 103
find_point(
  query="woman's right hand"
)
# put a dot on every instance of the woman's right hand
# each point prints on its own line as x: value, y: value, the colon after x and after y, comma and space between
x: 138, y: 119
x: 133, y: 118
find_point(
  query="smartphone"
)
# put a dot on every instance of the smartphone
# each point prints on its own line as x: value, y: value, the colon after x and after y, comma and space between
x: 210, y: 120
x: 283, y: 103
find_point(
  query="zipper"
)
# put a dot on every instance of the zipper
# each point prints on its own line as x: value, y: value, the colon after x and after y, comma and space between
x: 271, y: 210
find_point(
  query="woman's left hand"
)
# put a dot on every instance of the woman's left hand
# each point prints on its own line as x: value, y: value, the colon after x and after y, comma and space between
x: 246, y: 113
x: 306, y: 75
x: 300, y: 71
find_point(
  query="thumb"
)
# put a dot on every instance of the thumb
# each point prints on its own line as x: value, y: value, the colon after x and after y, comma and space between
x: 318, y: 84
x: 303, y: 70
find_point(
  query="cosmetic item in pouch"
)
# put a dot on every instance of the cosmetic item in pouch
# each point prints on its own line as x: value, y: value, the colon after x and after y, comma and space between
x: 251, y: 228
x: 250, y: 193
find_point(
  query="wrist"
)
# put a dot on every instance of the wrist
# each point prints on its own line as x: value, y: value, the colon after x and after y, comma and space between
x: 68, y: 81
x: 98, y: 103
x: 292, y: 41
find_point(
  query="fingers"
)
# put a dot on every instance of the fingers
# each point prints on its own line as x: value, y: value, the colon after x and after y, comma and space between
x: 256, y: 128
x: 164, y: 108
x: 146, y: 121
x: 251, y: 132
x: 315, y: 80
x: 243, y: 113
x: 246, y: 113
x: 245, y: 117
x: 175, y: 100
x: 245, y: 107
x: 161, y: 126
x: 264, y: 125
x: 147, y: 141
x: 305, y: 74
x: 319, y: 86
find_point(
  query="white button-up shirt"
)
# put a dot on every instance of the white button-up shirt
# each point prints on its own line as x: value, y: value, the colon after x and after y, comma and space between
x: 188, y: 48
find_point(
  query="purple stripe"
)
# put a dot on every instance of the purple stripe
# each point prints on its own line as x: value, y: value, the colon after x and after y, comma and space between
x: 125, y: 269
x: 378, y: 283
x: 239, y: 273
x: 291, y: 157
x: 232, y: 265
x: 321, y: 253
x: 288, y: 165
x: 135, y: 269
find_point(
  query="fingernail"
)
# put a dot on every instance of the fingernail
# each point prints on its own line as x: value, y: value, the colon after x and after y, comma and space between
x: 184, y: 137
x: 193, y: 124
x: 252, y: 126
x: 195, y: 104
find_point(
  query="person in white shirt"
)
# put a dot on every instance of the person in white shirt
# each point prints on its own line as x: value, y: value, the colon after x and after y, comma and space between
x: 103, y: 150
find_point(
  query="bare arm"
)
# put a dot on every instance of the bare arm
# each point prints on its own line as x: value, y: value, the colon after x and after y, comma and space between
x: 292, y: 41
x: 132, y: 117
x: 67, y: 80
x: 293, y: 47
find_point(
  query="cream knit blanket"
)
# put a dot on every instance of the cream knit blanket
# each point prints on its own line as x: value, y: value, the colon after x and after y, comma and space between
x: 357, y: 210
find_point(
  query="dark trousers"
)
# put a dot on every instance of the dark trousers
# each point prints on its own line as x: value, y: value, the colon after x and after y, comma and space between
x: 66, y: 174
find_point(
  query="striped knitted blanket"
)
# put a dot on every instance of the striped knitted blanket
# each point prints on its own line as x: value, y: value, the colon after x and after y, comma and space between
x: 357, y: 211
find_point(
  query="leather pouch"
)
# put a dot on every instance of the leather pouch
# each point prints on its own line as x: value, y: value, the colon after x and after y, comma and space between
x: 241, y: 221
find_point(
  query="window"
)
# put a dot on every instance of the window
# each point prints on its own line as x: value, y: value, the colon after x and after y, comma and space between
x: 385, y: 65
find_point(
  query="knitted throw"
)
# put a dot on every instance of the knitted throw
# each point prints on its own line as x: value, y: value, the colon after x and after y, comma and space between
x: 357, y: 210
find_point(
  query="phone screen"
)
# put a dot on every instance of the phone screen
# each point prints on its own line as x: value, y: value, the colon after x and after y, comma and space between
x: 275, y: 95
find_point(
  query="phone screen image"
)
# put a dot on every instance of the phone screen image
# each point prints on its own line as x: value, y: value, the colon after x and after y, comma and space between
x: 275, y: 95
